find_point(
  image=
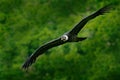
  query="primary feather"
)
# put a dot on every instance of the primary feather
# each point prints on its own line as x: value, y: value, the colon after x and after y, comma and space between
x: 40, y: 51
x: 82, y: 23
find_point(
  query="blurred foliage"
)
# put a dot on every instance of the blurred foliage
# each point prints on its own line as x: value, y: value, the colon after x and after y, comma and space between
x: 27, y: 24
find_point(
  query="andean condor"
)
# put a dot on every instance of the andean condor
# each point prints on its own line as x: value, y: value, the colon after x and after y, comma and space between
x: 70, y: 36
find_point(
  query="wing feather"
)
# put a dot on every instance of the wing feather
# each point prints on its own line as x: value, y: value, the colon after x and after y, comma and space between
x: 40, y: 51
x: 82, y: 23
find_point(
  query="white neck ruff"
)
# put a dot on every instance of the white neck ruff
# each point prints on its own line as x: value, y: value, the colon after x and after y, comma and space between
x: 64, y: 38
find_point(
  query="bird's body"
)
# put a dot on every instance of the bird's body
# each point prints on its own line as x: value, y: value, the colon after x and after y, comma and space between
x: 70, y: 36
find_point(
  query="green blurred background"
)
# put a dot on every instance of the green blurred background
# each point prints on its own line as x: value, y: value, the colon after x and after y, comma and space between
x: 27, y: 24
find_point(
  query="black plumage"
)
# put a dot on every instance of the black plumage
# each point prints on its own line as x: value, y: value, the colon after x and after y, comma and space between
x: 70, y: 36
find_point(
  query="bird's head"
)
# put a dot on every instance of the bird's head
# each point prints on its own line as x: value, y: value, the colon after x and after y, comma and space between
x: 64, y: 37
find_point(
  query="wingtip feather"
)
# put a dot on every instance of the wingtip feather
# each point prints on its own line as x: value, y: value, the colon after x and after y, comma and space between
x: 28, y: 63
x: 105, y: 9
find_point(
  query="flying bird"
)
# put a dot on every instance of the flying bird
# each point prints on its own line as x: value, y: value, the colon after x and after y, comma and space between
x: 70, y: 36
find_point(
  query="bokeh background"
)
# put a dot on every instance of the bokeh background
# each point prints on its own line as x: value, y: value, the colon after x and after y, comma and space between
x: 27, y: 24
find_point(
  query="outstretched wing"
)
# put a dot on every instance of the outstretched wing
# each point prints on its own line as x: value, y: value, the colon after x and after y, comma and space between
x: 81, y: 24
x: 40, y: 51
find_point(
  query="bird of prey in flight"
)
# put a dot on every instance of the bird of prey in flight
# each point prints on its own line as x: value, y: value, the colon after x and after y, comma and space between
x: 70, y: 36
